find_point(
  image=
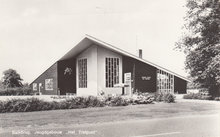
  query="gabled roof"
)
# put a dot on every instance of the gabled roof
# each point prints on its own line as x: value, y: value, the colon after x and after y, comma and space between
x: 89, y: 40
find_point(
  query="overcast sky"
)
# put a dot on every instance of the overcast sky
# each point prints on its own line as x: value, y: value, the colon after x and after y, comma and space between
x: 34, y: 34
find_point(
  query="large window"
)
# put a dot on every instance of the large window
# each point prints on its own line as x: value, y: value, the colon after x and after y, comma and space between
x: 111, y: 71
x: 48, y: 84
x: 82, y: 73
x: 165, y: 82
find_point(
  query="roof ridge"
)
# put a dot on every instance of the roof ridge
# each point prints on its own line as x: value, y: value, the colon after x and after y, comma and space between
x: 136, y: 57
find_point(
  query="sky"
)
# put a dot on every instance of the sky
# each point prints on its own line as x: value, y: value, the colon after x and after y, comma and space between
x: 34, y: 34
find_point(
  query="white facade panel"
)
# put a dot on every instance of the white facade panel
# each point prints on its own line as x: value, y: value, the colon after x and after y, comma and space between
x: 96, y: 75
x: 91, y: 55
x: 102, y: 55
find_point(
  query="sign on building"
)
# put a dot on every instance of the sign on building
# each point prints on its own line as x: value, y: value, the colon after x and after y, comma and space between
x: 127, y: 81
x: 34, y: 86
x: 49, y: 84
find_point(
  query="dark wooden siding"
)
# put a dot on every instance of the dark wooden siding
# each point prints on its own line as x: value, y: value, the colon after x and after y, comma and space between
x: 140, y: 71
x: 67, y: 82
x: 50, y: 73
x: 179, y: 85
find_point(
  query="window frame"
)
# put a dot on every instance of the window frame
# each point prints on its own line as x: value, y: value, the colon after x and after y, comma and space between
x: 165, y: 82
x: 112, y: 65
x: 82, y: 73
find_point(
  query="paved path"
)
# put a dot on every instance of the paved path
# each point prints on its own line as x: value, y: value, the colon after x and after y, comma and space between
x: 190, y: 126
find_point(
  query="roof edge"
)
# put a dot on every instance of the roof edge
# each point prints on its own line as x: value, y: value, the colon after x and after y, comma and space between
x: 135, y: 57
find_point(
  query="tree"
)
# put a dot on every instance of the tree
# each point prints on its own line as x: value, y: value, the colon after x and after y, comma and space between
x: 201, y: 43
x: 1, y: 85
x: 11, y: 79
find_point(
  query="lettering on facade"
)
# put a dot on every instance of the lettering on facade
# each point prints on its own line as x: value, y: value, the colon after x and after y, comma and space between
x: 145, y: 77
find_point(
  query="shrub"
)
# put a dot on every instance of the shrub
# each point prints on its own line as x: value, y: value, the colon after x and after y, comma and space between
x: 94, y: 102
x: 142, y: 98
x: 165, y: 97
x: 189, y: 96
x: 199, y: 96
x: 217, y: 98
x: 159, y: 97
x: 34, y: 104
x: 169, y: 98
x: 117, y: 101
x: 16, y: 91
x: 22, y: 105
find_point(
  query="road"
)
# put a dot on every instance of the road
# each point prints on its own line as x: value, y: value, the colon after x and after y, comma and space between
x: 187, y: 126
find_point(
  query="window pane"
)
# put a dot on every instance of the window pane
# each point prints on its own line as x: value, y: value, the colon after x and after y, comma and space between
x: 112, y: 71
x: 82, y: 73
x: 164, y: 81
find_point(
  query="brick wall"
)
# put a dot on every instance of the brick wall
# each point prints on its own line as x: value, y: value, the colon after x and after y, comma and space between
x: 67, y: 81
x: 50, y: 73
x: 179, y: 85
x: 145, y: 75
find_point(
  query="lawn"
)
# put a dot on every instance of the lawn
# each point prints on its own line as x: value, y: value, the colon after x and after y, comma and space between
x: 61, y: 118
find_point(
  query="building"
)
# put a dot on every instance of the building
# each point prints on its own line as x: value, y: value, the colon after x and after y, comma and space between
x: 94, y: 66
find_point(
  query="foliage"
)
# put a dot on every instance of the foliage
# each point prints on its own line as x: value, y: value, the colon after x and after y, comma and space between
x: 142, y: 98
x: 165, y: 97
x: 201, y: 43
x: 146, y: 98
x: 16, y: 91
x: 1, y: 85
x: 169, y: 98
x: 217, y: 98
x: 199, y: 96
x: 115, y: 100
x: 192, y: 85
x: 35, y: 104
x: 118, y: 101
x: 11, y: 79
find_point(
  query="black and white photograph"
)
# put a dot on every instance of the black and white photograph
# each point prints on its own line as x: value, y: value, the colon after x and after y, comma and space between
x: 109, y: 68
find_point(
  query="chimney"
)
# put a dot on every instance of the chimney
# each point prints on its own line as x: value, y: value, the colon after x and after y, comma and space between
x: 140, y: 53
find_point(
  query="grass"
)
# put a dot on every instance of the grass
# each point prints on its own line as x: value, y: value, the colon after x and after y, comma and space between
x: 106, y: 114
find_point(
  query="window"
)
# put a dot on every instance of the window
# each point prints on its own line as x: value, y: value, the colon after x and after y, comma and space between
x: 82, y: 73
x: 49, y: 84
x: 34, y: 86
x: 111, y: 71
x: 165, y: 82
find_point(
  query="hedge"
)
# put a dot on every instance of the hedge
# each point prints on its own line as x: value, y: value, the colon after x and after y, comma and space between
x: 35, y: 104
x: 199, y: 96
x: 165, y: 97
x: 16, y: 91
